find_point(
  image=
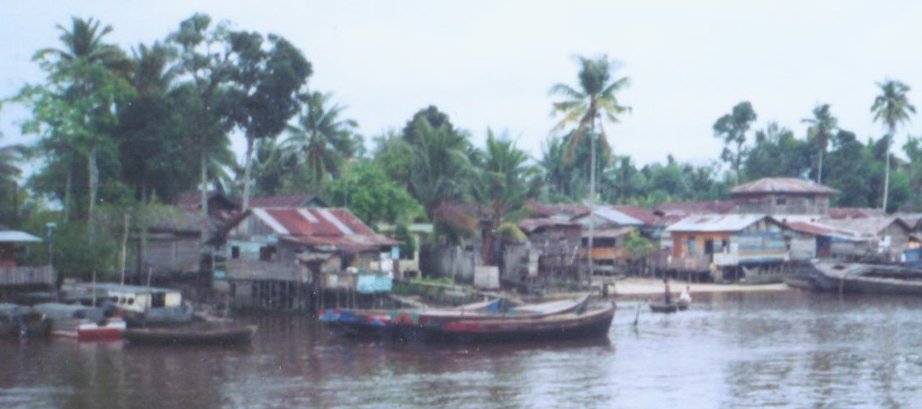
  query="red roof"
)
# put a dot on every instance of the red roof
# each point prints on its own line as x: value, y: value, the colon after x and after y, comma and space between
x: 782, y: 185
x: 322, y: 226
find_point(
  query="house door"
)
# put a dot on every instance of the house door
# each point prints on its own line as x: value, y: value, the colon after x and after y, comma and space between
x: 709, y: 247
x: 823, y: 247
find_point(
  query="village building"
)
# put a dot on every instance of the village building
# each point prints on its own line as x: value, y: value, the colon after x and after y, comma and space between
x: 609, y: 229
x: 290, y: 259
x: 171, y: 245
x: 292, y: 201
x: 787, y: 196
x: 15, y: 277
x: 885, y: 238
x: 719, y: 246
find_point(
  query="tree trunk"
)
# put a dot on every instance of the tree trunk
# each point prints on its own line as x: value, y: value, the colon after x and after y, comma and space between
x: 886, y: 179
x: 123, y: 249
x: 92, y: 181
x: 591, y: 198
x: 68, y: 187
x: 246, y: 173
x: 204, y: 191
x: 819, y: 172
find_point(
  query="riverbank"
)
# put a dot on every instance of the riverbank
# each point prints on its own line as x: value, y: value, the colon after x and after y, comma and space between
x: 632, y: 287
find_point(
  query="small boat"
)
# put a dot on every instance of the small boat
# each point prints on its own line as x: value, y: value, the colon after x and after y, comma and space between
x: 566, y: 326
x: 22, y: 321
x: 81, y: 322
x: 139, y: 305
x: 664, y: 308
x: 862, y: 278
x: 199, y: 333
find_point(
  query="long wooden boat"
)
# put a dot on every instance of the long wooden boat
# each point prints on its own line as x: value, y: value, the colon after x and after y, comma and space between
x: 82, y: 323
x: 213, y: 333
x: 862, y: 278
x: 22, y: 321
x: 560, y: 327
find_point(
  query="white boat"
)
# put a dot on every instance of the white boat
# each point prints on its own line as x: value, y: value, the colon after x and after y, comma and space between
x: 81, y: 322
x: 140, y: 306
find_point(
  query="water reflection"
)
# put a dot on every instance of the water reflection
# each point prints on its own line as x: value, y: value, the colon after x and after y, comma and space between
x: 790, y: 349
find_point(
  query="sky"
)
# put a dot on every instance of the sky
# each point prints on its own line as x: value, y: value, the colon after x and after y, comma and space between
x: 491, y: 63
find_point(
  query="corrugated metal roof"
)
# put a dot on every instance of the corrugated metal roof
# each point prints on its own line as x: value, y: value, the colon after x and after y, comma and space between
x: 868, y: 226
x: 853, y: 212
x: 645, y: 215
x: 15, y: 236
x: 715, y: 222
x: 532, y: 224
x: 615, y: 217
x: 609, y: 233
x: 782, y: 185
x: 322, y: 226
x: 819, y: 229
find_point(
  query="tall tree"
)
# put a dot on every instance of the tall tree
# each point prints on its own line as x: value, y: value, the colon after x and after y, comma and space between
x: 10, y: 155
x: 891, y: 108
x: 86, y: 78
x: 323, y: 140
x: 596, y: 96
x: 821, y: 127
x: 265, y: 89
x: 777, y: 153
x: 731, y: 128
x: 206, y: 68
x: 440, y: 166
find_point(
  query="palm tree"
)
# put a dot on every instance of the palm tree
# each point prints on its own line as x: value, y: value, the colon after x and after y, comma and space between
x: 83, y: 56
x: 440, y: 165
x: 325, y: 140
x: 596, y: 96
x: 504, y: 183
x: 891, y: 108
x: 9, y: 177
x: 821, y: 127
x: 732, y: 129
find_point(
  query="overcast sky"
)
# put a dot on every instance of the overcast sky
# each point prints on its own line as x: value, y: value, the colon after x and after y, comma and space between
x: 491, y: 63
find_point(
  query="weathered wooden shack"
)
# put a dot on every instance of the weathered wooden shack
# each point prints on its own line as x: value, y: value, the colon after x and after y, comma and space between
x: 885, y: 238
x: 554, y: 245
x: 290, y: 259
x: 791, y: 196
x: 172, y: 243
x: 14, y: 277
x: 718, y: 245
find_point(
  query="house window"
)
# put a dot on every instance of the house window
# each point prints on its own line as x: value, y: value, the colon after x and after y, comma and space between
x: 781, y: 200
x: 235, y: 252
x: 265, y: 253
x: 691, y: 246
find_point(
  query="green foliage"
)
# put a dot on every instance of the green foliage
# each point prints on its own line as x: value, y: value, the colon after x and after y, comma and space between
x: 508, y: 231
x: 74, y: 255
x: 777, y: 153
x: 731, y: 128
x: 372, y: 196
x: 638, y: 246
x: 322, y: 141
x: 409, y: 246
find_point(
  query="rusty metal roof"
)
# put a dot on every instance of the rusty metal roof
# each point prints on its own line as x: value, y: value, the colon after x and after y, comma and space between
x: 645, y: 215
x: 819, y: 229
x: 322, y: 226
x: 532, y: 224
x: 867, y: 226
x: 688, y: 208
x: 782, y: 185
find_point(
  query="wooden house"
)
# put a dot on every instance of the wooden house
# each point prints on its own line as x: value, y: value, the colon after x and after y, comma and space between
x: 721, y: 244
x: 14, y: 277
x: 554, y: 247
x: 173, y: 244
x: 884, y: 238
x: 809, y: 239
x: 278, y: 257
x: 292, y: 201
x: 788, y: 196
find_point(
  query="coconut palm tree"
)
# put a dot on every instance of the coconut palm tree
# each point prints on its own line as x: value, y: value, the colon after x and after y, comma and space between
x: 325, y: 140
x: 504, y: 182
x: 85, y: 61
x: 440, y: 167
x: 821, y: 128
x: 595, y: 97
x: 891, y: 108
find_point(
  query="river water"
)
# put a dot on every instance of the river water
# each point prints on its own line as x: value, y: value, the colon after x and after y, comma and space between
x: 782, y: 349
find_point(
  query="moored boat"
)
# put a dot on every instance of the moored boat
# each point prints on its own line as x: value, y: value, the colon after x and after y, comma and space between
x: 139, y: 305
x: 559, y: 327
x: 22, y: 321
x: 212, y: 333
x: 82, y: 323
x: 861, y: 278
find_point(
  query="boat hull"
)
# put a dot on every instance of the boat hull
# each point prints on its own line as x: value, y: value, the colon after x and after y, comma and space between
x: 569, y: 326
x: 860, y: 278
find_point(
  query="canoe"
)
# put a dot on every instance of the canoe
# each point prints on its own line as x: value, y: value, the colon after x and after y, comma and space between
x: 560, y: 327
x: 664, y: 308
x: 213, y: 333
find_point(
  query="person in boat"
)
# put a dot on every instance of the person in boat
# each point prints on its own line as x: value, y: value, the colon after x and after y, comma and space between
x: 685, y: 297
x: 668, y: 296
